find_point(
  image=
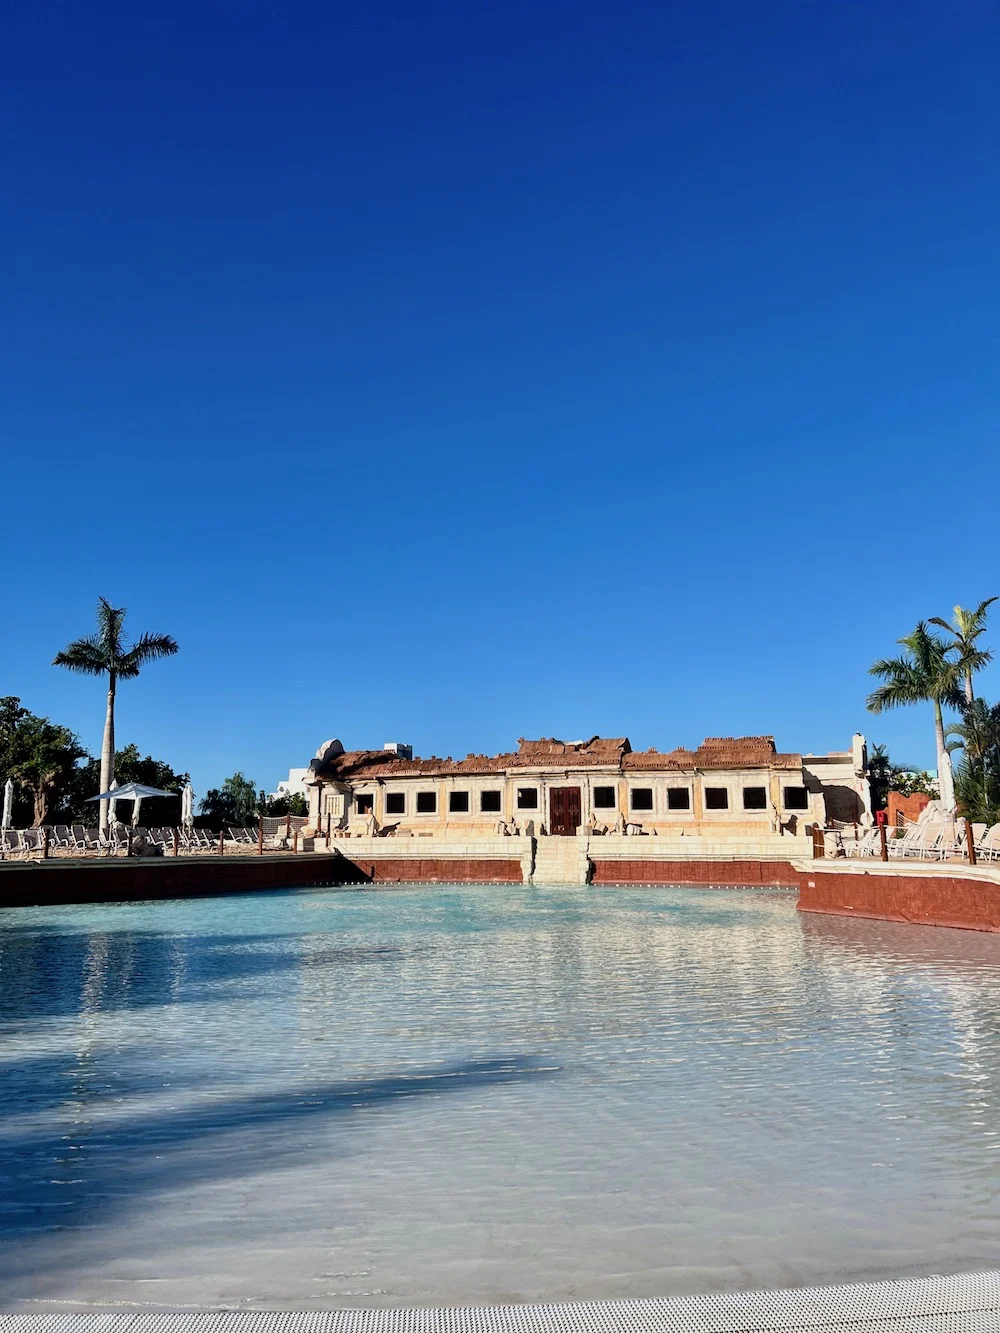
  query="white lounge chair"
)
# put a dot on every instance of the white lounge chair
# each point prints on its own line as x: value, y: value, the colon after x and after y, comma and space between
x: 869, y: 844
x: 988, y: 846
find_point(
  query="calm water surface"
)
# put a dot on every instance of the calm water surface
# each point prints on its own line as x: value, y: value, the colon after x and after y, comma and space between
x: 415, y: 1096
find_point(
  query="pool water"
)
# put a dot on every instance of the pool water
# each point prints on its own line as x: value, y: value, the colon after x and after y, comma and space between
x: 482, y: 1094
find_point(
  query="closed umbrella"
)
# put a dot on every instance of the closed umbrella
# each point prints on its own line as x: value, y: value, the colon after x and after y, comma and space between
x: 112, y: 814
x: 187, y: 806
x: 946, y: 783
x: 8, y: 804
x: 131, y: 791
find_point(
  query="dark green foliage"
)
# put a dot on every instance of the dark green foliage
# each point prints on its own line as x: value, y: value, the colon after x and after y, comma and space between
x: 39, y: 756
x: 977, y: 774
x: 881, y: 774
x: 295, y: 805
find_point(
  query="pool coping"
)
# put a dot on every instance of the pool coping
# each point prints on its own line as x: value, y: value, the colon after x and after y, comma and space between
x: 907, y: 1305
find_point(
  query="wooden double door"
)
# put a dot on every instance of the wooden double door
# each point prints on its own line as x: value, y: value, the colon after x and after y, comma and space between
x: 565, y: 810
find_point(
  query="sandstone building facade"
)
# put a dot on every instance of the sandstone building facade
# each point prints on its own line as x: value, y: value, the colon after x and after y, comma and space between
x: 728, y: 786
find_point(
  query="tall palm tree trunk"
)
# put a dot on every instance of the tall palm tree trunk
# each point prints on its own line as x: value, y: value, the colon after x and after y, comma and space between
x: 969, y: 696
x: 108, y: 752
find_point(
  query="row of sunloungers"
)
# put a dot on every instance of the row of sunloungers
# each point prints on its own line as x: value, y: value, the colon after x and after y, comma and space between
x: 76, y: 838
x: 935, y: 840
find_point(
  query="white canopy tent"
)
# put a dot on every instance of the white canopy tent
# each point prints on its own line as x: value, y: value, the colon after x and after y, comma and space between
x: 130, y: 791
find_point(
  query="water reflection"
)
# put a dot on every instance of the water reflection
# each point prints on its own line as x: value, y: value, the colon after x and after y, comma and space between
x: 475, y: 1094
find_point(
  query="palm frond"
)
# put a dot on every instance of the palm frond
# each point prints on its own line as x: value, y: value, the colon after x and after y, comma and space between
x: 146, y: 649
x: 86, y: 655
x: 894, y: 694
x: 110, y: 624
x: 891, y: 668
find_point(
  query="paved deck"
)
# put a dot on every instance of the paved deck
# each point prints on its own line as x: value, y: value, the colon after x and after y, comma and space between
x: 965, y: 1303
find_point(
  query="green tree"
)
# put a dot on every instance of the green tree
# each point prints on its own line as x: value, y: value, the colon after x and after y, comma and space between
x: 11, y: 713
x: 966, y: 628
x: 912, y: 782
x: 235, y: 802
x: 295, y: 805
x: 41, y: 757
x: 923, y: 673
x: 105, y: 654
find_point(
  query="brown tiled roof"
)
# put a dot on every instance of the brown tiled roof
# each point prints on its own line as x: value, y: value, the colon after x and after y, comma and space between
x: 549, y: 747
x: 718, y: 752
x: 714, y: 752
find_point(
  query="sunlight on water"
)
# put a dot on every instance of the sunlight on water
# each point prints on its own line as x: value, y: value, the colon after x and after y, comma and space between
x: 415, y: 1096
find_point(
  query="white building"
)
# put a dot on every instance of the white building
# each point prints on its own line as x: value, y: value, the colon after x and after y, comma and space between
x: 294, y: 785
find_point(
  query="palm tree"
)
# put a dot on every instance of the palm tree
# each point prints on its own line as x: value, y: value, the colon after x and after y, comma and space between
x: 884, y: 775
x: 924, y: 673
x: 978, y: 736
x: 105, y: 654
x: 966, y: 627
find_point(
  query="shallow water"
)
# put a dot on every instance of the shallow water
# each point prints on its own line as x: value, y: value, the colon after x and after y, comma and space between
x: 481, y: 1094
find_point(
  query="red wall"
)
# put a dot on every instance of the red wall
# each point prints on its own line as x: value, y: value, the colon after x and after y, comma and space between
x: 167, y: 877
x: 756, y: 873
x: 427, y: 870
x: 938, y: 900
x: 908, y: 807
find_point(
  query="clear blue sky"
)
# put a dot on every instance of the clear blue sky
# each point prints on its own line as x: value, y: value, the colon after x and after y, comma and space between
x: 449, y: 372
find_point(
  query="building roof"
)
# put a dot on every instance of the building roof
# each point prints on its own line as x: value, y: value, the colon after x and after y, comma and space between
x: 717, y: 752
x: 714, y: 752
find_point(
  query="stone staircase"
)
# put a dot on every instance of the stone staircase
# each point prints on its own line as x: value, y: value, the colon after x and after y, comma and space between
x: 561, y: 861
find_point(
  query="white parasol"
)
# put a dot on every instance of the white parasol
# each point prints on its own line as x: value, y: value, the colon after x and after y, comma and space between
x: 946, y: 783
x: 131, y: 791
x: 8, y: 804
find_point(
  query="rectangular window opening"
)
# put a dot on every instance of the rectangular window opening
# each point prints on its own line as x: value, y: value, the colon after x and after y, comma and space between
x: 604, y: 798
x: 458, y: 802
x: 527, y: 798
x: 427, y: 802
x: 489, y: 801
x: 395, y: 803
x: 641, y: 798
x: 796, y: 798
x: 716, y: 798
x: 364, y: 804
x: 754, y: 798
x: 678, y: 798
